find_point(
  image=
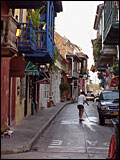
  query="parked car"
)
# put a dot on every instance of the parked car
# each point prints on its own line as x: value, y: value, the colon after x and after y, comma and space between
x: 90, y: 97
x: 108, y: 105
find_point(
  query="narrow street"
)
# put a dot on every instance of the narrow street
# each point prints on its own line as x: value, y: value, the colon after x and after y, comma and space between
x: 66, y: 138
x: 54, y: 53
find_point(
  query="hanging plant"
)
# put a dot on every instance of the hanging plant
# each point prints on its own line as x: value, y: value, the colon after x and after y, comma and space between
x: 97, y: 46
x: 83, y: 70
x: 56, y: 55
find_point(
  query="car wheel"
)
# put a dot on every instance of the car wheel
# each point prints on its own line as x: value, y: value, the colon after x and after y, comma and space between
x: 101, y: 119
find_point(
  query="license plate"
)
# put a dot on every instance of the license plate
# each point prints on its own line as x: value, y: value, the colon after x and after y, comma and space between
x: 115, y: 113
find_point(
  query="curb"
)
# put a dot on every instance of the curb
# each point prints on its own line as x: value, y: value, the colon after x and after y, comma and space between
x: 46, y: 125
x: 28, y: 146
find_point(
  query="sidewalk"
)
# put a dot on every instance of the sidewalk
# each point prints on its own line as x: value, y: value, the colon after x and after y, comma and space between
x: 26, y: 133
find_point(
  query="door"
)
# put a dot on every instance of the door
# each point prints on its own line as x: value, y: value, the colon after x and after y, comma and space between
x: 13, y: 104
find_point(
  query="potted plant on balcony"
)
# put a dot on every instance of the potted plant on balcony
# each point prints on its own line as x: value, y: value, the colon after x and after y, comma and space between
x: 35, y: 16
x: 29, y: 35
x: 33, y: 20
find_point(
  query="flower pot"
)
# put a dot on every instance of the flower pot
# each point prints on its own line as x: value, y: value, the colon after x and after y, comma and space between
x: 62, y: 100
x: 48, y: 104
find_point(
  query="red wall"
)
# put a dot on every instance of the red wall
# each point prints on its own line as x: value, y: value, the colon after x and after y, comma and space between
x: 4, y: 8
x: 82, y: 84
x: 5, y: 67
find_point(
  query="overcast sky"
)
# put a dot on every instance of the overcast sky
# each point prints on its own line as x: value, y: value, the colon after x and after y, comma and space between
x: 76, y: 23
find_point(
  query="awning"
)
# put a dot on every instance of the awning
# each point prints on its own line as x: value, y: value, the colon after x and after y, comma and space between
x: 31, y: 69
x: 43, y: 78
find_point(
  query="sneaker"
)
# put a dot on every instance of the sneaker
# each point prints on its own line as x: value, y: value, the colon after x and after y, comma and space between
x: 81, y: 120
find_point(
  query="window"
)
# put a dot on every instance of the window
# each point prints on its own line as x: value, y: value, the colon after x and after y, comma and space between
x: 75, y: 83
x: 46, y: 94
x: 110, y: 95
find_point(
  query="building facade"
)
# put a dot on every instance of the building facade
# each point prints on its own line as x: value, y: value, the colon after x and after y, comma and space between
x: 107, y: 54
x: 22, y: 56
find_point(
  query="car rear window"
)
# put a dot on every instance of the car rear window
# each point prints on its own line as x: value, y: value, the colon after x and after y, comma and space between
x: 89, y: 94
x: 110, y: 95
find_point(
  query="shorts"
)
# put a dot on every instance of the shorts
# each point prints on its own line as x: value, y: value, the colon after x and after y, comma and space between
x: 80, y: 106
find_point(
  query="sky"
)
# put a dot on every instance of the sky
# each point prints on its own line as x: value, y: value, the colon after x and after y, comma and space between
x: 76, y: 23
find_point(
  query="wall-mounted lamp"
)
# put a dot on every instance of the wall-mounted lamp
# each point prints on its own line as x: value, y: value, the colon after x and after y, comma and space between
x: 48, y: 65
x: 18, y: 31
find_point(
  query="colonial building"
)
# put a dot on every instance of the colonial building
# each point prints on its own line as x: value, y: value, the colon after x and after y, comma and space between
x: 23, y: 53
x: 75, y: 67
x: 105, y: 46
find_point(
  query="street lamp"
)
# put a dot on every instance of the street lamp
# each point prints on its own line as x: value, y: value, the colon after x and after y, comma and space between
x: 18, y: 31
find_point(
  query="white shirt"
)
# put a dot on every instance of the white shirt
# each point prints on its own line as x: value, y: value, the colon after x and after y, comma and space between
x: 81, y: 99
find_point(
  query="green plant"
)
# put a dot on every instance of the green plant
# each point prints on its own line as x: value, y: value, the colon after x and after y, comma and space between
x: 35, y: 16
x: 64, y: 87
x: 56, y: 55
x: 116, y: 64
x: 97, y: 46
x: 83, y: 70
x: 116, y: 67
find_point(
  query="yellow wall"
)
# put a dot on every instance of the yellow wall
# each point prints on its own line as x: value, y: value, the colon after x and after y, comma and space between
x: 28, y: 101
x: 19, y: 104
x: 62, y: 45
x: 17, y: 12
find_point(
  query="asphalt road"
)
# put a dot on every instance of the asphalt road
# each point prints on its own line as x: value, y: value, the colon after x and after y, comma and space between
x: 66, y: 138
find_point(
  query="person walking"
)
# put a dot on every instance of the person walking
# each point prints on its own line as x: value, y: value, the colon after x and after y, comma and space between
x: 80, y: 106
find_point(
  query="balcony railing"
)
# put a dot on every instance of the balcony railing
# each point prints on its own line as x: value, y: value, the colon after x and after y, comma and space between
x: 38, y: 44
x: 26, y: 42
x: 8, y: 34
x: 72, y: 74
x: 111, y: 23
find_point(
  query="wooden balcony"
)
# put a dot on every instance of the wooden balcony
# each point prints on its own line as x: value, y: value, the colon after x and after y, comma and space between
x: 107, y: 54
x: 38, y: 44
x: 33, y: 4
x: 26, y: 42
x: 111, y: 23
x: 42, y: 49
x: 8, y: 35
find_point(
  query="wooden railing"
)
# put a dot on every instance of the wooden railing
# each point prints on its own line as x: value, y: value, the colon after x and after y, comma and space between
x: 8, y: 31
x: 27, y: 42
x: 35, y: 41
